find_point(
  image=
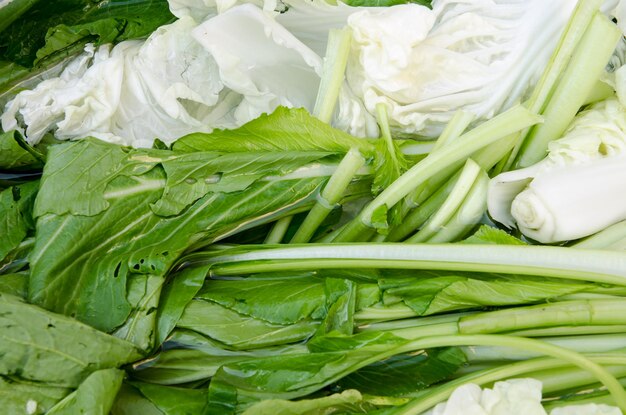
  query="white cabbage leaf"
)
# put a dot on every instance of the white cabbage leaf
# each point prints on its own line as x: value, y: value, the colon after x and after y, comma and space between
x: 578, y: 189
x: 510, y: 397
x: 260, y: 60
x: 184, y: 78
x: 480, y: 56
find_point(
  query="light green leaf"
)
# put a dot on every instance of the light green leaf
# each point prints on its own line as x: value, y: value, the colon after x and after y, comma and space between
x: 16, y: 154
x: 286, y: 129
x: 490, y: 235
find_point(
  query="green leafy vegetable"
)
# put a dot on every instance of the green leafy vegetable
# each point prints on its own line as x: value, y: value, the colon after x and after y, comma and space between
x: 17, y: 154
x: 41, y: 346
x: 16, y: 204
x: 94, y: 396
x: 127, y: 189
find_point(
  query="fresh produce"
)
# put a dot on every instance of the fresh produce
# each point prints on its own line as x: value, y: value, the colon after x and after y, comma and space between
x: 309, y: 208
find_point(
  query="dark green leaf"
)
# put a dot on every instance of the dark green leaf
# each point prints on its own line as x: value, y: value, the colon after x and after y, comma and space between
x: 95, y: 396
x: 51, y: 27
x: 406, y: 373
x: 41, y: 346
x: 16, y: 204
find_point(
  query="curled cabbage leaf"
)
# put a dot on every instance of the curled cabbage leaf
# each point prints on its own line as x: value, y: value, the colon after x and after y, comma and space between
x: 578, y: 189
x: 424, y: 65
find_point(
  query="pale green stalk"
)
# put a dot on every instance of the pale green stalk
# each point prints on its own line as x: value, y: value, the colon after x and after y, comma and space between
x: 587, y: 64
x: 449, y: 207
x: 330, y: 195
x: 548, y: 261
x: 606, y: 238
x: 468, y: 215
x: 335, y: 61
x: 573, y: 33
x: 430, y: 398
x: 486, y: 134
x: 277, y: 233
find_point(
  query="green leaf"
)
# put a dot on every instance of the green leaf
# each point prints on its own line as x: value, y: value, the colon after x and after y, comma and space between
x: 16, y: 204
x: 191, y: 176
x: 95, y: 396
x: 49, y: 28
x: 12, y: 10
x: 98, y: 198
x: 286, y: 129
x: 15, y: 153
x: 341, y: 303
x: 405, y: 374
x: 300, y: 298
x: 41, y: 346
x: 239, y: 331
x: 15, y: 395
x: 490, y: 235
x: 379, y: 219
x: 457, y: 292
x: 131, y: 402
x: 174, y: 401
x: 143, y: 295
x: 349, y: 400
x: 179, y: 290
x: 15, y: 284
x: 188, y: 356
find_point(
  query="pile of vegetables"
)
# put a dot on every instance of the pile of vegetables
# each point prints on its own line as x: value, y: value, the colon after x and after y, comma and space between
x: 309, y: 208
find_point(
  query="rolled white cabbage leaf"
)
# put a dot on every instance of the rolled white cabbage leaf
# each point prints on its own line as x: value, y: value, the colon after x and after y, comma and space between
x: 577, y: 190
x: 510, y: 397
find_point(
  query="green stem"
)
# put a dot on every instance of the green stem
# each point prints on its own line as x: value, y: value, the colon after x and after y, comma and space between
x: 566, y: 313
x: 581, y: 75
x: 451, y: 205
x: 573, y: 33
x: 468, y: 215
x: 454, y: 129
x: 330, y: 195
x: 428, y: 400
x: 278, y: 231
x: 335, y: 61
x: 548, y: 261
x: 487, y: 133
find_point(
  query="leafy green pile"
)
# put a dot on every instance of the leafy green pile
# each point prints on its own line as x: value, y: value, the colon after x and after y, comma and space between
x: 180, y: 280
